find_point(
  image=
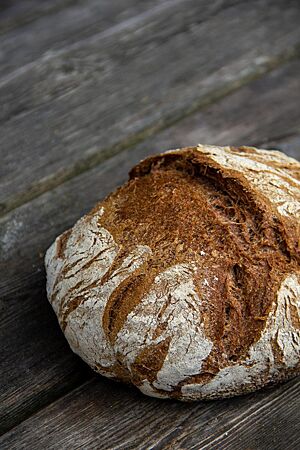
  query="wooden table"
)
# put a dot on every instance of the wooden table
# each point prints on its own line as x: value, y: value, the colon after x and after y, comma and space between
x: 87, y: 89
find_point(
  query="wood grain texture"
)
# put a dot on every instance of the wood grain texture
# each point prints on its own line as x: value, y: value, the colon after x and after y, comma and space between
x: 35, y: 352
x: 103, y: 415
x: 14, y: 14
x: 36, y: 364
x: 67, y: 111
x: 61, y: 26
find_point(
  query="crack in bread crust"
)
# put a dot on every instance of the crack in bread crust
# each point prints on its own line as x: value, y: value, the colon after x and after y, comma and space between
x: 263, y: 364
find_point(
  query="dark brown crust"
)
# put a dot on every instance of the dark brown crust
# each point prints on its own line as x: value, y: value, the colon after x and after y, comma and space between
x: 61, y: 244
x: 180, y: 204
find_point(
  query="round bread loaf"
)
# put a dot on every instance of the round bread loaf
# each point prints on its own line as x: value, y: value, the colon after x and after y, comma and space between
x: 186, y: 281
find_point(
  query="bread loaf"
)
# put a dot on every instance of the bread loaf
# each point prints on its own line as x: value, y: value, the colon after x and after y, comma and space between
x: 186, y: 281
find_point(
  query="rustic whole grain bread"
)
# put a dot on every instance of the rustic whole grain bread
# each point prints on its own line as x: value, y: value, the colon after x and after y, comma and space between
x: 186, y: 280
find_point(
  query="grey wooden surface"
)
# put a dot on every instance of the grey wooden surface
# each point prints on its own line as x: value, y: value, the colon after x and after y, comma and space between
x: 87, y: 89
x: 76, y: 105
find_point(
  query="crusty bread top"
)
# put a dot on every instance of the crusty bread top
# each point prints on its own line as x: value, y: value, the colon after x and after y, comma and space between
x: 210, y: 223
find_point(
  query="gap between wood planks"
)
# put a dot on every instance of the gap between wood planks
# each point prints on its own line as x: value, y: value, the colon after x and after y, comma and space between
x: 96, y: 159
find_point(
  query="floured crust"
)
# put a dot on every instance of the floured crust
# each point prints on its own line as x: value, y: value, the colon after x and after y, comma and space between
x: 185, y: 281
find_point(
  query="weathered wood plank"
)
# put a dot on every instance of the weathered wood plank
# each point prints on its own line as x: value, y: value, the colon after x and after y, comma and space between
x: 36, y: 365
x: 14, y: 13
x: 104, y: 415
x: 266, y: 108
x: 268, y: 420
x: 66, y: 112
x: 64, y: 24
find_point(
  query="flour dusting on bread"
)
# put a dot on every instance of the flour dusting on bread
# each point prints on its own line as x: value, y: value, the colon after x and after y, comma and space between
x: 185, y: 280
